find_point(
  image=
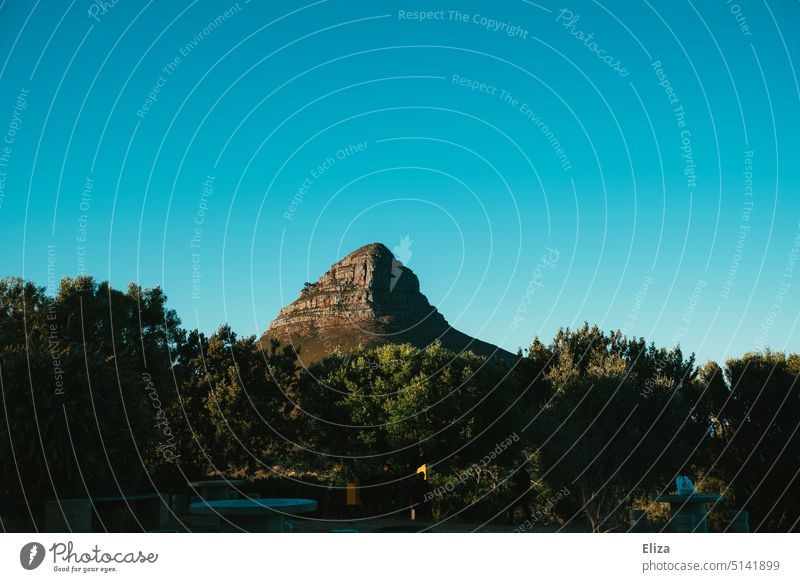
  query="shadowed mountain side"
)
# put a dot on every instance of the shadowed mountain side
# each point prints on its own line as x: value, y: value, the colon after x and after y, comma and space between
x: 368, y: 298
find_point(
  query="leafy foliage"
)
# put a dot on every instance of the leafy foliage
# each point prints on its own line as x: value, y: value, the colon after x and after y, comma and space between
x: 618, y: 419
x: 78, y: 421
x: 755, y: 413
x: 104, y: 392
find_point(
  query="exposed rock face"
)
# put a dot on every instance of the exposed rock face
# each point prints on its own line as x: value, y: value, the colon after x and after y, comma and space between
x: 368, y: 298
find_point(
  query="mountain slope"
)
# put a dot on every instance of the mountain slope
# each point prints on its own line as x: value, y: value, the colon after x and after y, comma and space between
x: 368, y: 298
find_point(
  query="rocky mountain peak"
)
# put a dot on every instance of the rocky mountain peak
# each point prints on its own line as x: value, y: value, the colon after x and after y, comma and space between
x: 367, y: 298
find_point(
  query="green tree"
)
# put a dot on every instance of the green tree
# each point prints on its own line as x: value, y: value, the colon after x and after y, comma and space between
x: 250, y: 397
x: 619, y: 420
x: 78, y: 418
x: 755, y: 412
x: 411, y: 406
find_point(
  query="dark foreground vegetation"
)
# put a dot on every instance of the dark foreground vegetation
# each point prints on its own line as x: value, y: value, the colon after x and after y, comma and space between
x: 103, y: 392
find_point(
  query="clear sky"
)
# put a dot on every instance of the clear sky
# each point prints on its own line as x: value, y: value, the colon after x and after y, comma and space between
x: 229, y: 152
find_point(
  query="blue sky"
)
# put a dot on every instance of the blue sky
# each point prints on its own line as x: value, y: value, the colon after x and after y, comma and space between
x: 280, y: 136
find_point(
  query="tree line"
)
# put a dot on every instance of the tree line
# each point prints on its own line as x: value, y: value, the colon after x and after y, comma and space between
x: 104, y: 392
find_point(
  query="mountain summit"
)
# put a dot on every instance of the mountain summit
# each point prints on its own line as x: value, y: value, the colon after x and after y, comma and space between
x: 368, y: 298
